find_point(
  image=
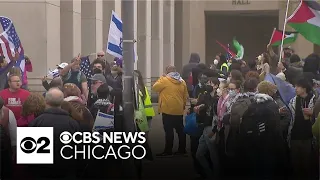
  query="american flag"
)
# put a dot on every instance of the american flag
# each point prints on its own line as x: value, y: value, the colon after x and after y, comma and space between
x: 85, y: 67
x: 10, y: 42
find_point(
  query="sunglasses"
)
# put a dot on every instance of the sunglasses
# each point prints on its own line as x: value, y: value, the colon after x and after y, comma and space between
x: 100, y: 55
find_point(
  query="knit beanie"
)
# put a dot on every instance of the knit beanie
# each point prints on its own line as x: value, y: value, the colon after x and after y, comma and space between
x: 266, y: 87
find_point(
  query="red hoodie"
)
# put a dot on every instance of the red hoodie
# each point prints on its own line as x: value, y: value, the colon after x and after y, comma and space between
x: 14, y: 100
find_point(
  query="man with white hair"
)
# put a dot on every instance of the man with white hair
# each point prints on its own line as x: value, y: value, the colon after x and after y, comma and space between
x: 61, y: 121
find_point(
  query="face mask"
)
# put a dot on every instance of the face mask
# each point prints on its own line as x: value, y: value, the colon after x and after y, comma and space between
x: 228, y: 80
x: 232, y: 93
x: 209, y: 88
x: 229, y: 63
x: 97, y: 71
x: 215, y: 62
x: 219, y: 92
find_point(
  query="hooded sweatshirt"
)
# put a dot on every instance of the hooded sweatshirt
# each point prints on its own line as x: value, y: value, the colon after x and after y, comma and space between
x: 187, y: 69
x: 173, y: 94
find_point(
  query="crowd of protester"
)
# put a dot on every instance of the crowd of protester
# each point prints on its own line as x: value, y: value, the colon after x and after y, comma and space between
x: 71, y: 103
x: 244, y: 127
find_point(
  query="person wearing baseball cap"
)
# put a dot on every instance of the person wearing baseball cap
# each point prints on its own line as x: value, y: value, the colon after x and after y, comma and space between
x: 61, y: 66
x: 96, y: 81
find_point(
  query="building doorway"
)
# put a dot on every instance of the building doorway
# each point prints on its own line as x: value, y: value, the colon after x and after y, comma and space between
x: 252, y: 29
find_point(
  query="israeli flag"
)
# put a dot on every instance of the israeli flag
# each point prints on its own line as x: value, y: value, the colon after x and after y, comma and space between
x: 115, y: 41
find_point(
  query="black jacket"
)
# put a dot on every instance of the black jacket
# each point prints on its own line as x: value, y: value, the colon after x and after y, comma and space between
x: 102, y: 105
x: 61, y: 121
x: 261, y: 150
x: 208, y: 111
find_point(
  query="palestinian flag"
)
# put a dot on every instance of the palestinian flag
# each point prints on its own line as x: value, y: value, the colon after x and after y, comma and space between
x: 239, y: 48
x: 306, y: 20
x: 276, y: 38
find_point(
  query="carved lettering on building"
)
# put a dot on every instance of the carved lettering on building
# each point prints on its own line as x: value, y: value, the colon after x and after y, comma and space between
x: 240, y: 2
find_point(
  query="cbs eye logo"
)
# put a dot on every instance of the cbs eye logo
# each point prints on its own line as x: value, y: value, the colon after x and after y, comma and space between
x: 29, y: 145
x: 65, y: 137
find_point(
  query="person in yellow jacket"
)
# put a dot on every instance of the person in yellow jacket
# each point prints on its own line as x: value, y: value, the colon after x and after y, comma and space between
x: 173, y: 96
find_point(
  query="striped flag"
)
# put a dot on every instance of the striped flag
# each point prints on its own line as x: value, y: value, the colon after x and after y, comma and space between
x: 85, y: 67
x: 10, y: 43
x: 115, y: 41
x: 276, y: 38
x: 54, y: 73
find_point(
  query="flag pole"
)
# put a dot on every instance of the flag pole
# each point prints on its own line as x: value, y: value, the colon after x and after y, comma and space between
x: 284, y: 30
x: 128, y: 67
x: 274, y: 29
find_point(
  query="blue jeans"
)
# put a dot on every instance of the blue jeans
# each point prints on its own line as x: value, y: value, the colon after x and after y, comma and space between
x: 208, y: 144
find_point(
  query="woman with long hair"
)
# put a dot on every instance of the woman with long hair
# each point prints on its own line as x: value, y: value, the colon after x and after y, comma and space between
x: 146, y: 98
x: 148, y: 109
x: 72, y: 94
x: 264, y: 60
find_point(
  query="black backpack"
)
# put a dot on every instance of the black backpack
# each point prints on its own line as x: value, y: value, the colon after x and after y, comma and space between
x: 237, y: 110
x: 261, y: 147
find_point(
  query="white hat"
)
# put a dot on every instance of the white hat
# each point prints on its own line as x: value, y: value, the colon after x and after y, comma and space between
x: 62, y: 65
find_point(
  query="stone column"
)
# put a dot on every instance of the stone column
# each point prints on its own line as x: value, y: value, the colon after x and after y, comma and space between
x: 193, y: 30
x: 168, y: 33
x: 42, y: 45
x: 117, y: 7
x: 108, y: 7
x: 53, y: 35
x: 185, y: 32
x: 157, y: 38
x: 91, y: 18
x: 70, y: 29
x: 178, y: 34
x: 172, y: 29
x: 144, y: 40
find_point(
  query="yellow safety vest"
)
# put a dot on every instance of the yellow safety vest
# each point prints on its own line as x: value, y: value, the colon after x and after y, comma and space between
x: 224, y: 65
x: 148, y: 108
